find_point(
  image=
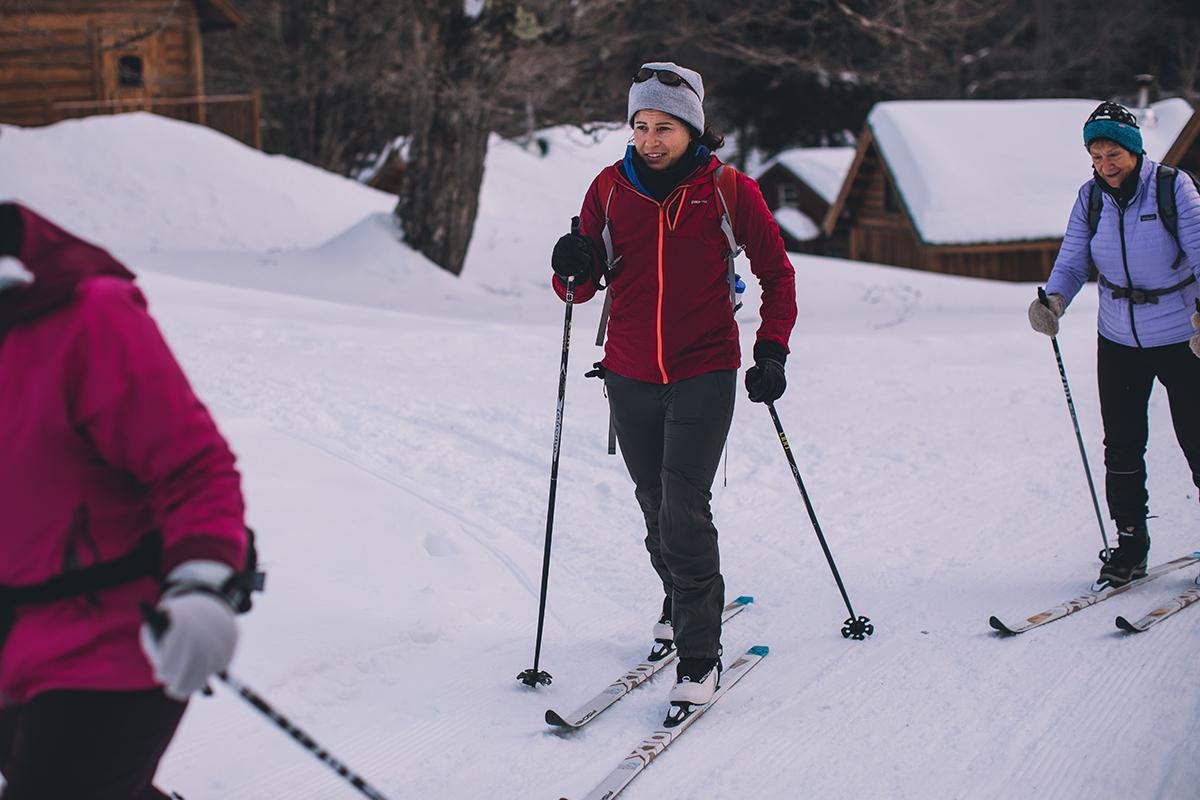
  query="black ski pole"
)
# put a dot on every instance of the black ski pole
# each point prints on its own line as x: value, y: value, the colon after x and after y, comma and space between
x: 1078, y: 436
x: 533, y: 676
x: 855, y: 627
x: 159, y: 620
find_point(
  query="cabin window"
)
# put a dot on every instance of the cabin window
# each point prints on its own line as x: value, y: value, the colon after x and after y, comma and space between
x: 890, y: 201
x: 789, y: 194
x: 129, y: 72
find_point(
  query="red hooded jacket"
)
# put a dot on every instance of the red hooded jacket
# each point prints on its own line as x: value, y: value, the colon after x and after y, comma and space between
x: 671, y: 317
x: 103, y: 442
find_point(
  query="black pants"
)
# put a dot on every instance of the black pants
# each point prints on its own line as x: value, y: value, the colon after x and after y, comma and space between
x: 86, y: 745
x: 671, y: 438
x: 1126, y: 376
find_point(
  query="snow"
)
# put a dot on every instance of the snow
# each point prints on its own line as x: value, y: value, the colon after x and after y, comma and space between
x: 973, y: 171
x: 822, y: 168
x: 394, y: 429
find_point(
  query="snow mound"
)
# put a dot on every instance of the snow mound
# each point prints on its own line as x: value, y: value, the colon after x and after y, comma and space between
x: 146, y: 182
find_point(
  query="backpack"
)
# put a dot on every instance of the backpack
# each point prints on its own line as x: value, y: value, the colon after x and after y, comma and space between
x: 1168, y: 214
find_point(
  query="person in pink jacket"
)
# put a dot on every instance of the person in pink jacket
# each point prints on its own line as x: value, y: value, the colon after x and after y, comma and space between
x: 117, y: 495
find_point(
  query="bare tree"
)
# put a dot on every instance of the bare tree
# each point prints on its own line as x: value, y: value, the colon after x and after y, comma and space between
x: 331, y: 74
x: 509, y: 66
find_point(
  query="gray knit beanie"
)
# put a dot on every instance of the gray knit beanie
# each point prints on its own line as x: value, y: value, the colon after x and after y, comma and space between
x: 678, y: 101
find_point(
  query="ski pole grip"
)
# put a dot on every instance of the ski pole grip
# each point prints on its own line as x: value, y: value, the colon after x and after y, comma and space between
x: 1046, y: 300
x: 576, y: 227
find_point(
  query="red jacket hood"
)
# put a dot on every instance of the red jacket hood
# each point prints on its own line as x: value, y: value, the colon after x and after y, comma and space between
x: 59, y: 262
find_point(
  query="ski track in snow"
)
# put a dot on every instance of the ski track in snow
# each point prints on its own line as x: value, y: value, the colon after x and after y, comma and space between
x: 394, y: 428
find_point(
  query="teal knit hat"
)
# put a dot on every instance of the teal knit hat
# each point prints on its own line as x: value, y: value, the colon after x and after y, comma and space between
x: 1113, y: 121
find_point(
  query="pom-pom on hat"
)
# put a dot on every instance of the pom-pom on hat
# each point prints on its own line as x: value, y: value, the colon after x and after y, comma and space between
x: 684, y: 100
x: 1113, y: 121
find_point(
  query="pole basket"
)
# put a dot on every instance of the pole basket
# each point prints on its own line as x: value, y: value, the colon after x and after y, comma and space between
x: 532, y: 677
x: 859, y: 628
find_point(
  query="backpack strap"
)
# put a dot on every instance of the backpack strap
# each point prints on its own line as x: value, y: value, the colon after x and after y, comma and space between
x: 1095, y: 206
x: 1167, y: 212
x: 143, y: 561
x: 728, y: 176
x: 608, y: 188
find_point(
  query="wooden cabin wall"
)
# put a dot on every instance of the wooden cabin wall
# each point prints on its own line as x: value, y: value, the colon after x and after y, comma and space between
x: 873, y: 225
x: 70, y: 51
x: 1001, y: 262
x: 808, y: 202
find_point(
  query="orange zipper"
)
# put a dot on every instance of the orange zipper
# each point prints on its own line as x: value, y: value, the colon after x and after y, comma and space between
x: 658, y: 325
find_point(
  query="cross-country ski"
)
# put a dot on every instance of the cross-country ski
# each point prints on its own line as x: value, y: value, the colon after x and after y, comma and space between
x: 631, y: 679
x: 1165, y: 610
x: 654, y: 744
x: 1089, y: 599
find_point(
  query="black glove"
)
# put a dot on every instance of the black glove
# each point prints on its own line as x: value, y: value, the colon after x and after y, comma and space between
x: 765, y: 381
x: 573, y: 258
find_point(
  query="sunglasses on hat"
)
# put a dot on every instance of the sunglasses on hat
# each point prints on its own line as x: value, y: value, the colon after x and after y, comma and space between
x: 665, y: 77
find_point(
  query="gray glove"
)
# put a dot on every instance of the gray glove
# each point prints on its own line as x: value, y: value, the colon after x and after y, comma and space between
x: 1045, y: 320
x: 195, y: 634
x: 1195, y: 342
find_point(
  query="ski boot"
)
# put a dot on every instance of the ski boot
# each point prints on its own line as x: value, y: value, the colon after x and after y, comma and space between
x: 696, y: 681
x: 1128, y: 562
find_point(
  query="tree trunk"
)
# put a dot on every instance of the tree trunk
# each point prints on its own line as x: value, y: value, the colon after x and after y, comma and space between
x: 440, y: 195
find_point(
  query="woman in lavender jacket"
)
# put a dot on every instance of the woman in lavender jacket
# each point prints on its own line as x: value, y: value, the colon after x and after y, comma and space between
x: 1148, y: 303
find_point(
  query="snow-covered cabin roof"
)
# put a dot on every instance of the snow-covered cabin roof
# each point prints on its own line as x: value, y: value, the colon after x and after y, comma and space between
x: 797, y: 223
x: 974, y: 171
x: 822, y: 168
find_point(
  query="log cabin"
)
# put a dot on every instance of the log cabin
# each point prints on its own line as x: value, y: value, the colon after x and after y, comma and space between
x: 979, y: 188
x: 61, y: 59
x: 799, y: 186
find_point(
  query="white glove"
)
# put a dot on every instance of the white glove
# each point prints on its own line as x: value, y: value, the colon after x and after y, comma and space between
x: 1195, y: 342
x: 199, y: 634
x: 1045, y: 320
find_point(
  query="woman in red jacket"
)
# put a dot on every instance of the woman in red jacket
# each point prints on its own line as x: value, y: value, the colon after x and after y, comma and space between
x: 672, y: 354
x: 116, y: 491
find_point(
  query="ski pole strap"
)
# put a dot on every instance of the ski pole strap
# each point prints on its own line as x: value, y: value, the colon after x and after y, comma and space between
x: 1143, y: 296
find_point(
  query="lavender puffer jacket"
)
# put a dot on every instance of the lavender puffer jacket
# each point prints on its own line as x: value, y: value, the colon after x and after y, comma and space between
x: 1132, y: 248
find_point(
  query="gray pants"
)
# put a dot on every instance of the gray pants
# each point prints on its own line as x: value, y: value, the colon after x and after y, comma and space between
x: 671, y: 438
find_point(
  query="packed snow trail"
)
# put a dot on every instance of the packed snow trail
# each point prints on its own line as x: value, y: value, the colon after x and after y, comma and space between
x: 395, y: 463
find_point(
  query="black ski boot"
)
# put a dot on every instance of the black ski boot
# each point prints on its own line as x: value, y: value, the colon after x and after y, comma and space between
x: 1128, y: 562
